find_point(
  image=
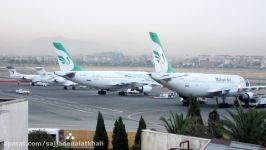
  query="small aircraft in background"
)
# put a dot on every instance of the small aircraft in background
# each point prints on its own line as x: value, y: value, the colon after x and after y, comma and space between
x: 52, y: 79
x: 32, y: 78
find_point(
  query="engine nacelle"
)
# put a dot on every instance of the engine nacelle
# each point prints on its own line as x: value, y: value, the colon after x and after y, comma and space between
x: 144, y: 89
x: 246, y: 97
x: 58, y: 80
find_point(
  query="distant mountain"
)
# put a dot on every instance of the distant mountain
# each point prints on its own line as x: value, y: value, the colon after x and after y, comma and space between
x: 43, y: 46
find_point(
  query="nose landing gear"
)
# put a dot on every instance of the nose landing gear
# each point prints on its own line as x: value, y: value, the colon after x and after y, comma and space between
x: 101, y: 92
x: 122, y: 93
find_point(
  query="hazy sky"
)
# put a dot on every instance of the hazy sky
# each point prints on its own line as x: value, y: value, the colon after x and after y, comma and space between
x: 187, y: 27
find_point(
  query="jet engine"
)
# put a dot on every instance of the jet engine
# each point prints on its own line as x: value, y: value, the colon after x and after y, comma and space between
x: 25, y: 78
x: 58, y: 80
x: 246, y: 97
x: 144, y: 89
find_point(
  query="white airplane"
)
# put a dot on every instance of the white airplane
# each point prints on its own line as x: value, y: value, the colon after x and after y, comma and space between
x: 200, y: 85
x: 52, y: 79
x: 102, y: 80
x: 34, y: 79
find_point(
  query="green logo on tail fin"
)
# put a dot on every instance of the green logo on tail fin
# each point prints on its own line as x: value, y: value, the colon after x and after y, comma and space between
x: 160, y: 60
x: 157, y: 56
x: 65, y: 61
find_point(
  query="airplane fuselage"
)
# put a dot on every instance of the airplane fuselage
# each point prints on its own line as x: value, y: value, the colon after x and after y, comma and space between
x: 26, y: 77
x: 201, y: 85
x: 108, y: 80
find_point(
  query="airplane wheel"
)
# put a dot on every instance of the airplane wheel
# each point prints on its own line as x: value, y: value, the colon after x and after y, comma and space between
x: 146, y: 94
x: 185, y: 103
x: 200, y: 102
x: 101, y: 92
x: 32, y: 84
x: 236, y: 103
x: 65, y: 87
x: 223, y: 105
x: 73, y: 88
x: 122, y: 93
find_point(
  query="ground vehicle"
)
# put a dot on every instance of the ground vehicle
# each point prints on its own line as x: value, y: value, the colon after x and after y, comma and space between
x: 258, y: 101
x: 22, y: 91
x: 166, y: 95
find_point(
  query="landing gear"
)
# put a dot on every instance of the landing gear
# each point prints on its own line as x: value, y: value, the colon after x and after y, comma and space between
x: 65, y: 87
x: 185, y: 101
x: 223, y: 104
x: 32, y: 83
x: 101, y: 92
x: 145, y: 94
x: 73, y: 88
x: 122, y: 93
x: 202, y: 102
x: 236, y: 103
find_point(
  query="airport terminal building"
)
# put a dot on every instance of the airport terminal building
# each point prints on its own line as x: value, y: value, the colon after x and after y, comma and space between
x: 13, y: 124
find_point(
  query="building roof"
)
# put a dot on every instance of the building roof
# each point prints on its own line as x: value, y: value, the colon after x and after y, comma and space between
x: 4, y: 101
x: 219, y: 144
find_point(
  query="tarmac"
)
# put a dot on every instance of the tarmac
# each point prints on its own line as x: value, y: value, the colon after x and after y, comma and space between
x: 53, y: 107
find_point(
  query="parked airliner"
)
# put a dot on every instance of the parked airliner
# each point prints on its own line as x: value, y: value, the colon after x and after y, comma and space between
x: 52, y: 79
x: 102, y: 80
x: 34, y: 79
x: 198, y: 84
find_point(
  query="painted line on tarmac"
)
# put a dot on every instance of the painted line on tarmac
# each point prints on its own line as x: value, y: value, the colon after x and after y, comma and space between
x: 130, y: 116
x: 63, y: 106
x: 85, y: 106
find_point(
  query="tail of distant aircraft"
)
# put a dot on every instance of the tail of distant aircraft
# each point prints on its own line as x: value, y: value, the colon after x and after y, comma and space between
x: 160, y: 61
x: 40, y: 70
x: 12, y: 71
x: 66, y: 63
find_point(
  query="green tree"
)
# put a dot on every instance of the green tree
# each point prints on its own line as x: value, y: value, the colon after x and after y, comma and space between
x: 142, y: 125
x: 135, y: 147
x: 101, y: 134
x: 194, y: 110
x: 176, y: 123
x: 196, y: 127
x: 120, y: 140
x: 40, y: 137
x: 213, y: 124
x: 245, y: 126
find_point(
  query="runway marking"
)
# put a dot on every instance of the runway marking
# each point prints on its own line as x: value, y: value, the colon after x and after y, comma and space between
x: 81, y: 107
x: 150, y: 122
x: 53, y: 104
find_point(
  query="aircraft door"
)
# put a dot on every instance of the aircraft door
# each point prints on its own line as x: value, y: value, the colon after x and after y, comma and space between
x: 186, y: 82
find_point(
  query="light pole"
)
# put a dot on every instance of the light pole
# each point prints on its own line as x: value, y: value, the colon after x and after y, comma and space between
x: 70, y: 138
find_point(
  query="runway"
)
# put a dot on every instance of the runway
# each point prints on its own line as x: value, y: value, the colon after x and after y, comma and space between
x: 53, y: 107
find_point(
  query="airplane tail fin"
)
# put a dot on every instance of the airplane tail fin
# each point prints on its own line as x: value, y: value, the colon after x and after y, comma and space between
x: 66, y: 63
x: 159, y: 58
x: 40, y: 71
x: 12, y: 71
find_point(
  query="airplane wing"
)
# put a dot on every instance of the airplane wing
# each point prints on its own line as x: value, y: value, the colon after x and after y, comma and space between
x: 168, y: 77
x: 219, y: 91
x: 119, y: 85
x: 240, y: 90
x: 64, y: 74
x: 40, y: 71
x: 252, y: 88
x: 70, y: 83
x: 137, y: 84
